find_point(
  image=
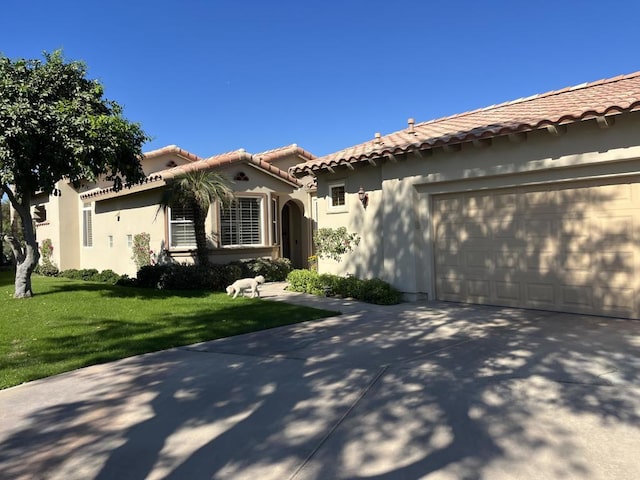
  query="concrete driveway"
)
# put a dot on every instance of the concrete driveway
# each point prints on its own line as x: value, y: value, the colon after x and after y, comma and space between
x: 438, y: 391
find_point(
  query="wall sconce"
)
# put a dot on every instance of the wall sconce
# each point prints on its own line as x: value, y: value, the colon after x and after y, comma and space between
x: 364, y: 197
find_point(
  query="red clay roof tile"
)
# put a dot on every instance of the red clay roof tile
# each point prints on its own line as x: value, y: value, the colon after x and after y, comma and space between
x: 573, y: 104
x: 210, y: 163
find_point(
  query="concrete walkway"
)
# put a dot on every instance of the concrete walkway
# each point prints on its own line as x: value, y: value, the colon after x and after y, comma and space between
x: 438, y: 391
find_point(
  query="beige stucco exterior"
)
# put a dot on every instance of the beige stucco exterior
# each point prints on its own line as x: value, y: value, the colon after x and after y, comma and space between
x: 117, y: 216
x: 397, y: 227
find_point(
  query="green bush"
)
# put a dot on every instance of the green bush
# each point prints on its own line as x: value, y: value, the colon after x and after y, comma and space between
x: 47, y: 269
x: 75, y: 274
x: 126, y: 281
x: 106, y: 276
x: 188, y: 277
x: 88, y: 274
x: 91, y: 275
x: 379, y: 292
x: 305, y: 281
x: 272, y: 269
x: 372, y: 291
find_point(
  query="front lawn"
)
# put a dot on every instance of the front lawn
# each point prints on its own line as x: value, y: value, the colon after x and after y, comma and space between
x: 70, y: 324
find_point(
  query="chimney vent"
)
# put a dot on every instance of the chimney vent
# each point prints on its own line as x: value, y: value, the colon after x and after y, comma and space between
x: 378, y: 140
x: 411, y: 123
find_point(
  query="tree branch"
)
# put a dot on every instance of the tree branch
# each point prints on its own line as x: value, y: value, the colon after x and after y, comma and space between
x: 12, y: 197
x: 16, y: 248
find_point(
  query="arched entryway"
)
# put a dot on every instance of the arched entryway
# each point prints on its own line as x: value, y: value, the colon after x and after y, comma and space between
x: 292, y: 246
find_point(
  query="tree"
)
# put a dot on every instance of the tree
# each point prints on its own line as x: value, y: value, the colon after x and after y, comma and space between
x: 5, y: 227
x: 55, y: 123
x: 197, y: 190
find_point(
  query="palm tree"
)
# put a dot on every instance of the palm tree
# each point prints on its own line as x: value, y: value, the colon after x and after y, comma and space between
x: 198, y: 189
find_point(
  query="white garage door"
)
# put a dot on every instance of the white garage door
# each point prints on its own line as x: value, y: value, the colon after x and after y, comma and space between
x: 571, y: 248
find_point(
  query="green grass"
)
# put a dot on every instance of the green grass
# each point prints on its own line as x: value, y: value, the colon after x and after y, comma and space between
x: 70, y: 324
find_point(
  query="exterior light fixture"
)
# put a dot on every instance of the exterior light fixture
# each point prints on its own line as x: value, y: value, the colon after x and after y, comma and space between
x: 364, y: 197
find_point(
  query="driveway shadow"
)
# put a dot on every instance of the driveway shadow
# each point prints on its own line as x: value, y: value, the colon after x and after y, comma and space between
x: 379, y: 392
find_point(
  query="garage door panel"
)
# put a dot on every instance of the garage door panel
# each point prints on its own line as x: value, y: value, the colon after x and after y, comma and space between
x: 618, y: 261
x: 615, y: 301
x: 576, y: 297
x: 508, y: 291
x: 541, y: 201
x: 482, y: 259
x: 617, y: 195
x: 575, y: 198
x: 538, y: 227
x: 508, y: 260
x: 540, y: 294
x: 450, y: 288
x: 569, y: 248
x: 576, y: 261
x: 474, y: 229
x: 444, y: 259
x: 479, y: 289
x: 505, y: 228
x: 540, y: 262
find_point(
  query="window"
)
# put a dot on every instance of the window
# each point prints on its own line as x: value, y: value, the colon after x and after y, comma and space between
x: 130, y: 241
x: 40, y: 214
x: 314, y: 216
x: 110, y: 241
x: 87, y: 229
x: 181, y: 231
x: 337, y: 197
x: 241, y: 224
x: 274, y: 221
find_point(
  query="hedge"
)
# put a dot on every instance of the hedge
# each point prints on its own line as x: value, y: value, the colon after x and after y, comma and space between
x: 371, y: 291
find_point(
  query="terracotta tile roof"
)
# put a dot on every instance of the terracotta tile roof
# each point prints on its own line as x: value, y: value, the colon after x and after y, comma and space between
x: 277, y: 153
x: 109, y: 192
x: 174, y: 149
x: 598, y: 99
x: 159, y: 178
x: 230, y: 158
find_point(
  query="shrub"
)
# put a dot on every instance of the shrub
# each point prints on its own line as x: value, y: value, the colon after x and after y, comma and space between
x: 47, y: 269
x: 379, y: 292
x: 72, y: 273
x: 142, y: 254
x: 46, y: 266
x: 372, y: 291
x: 149, y: 275
x: 333, y: 243
x: 188, y: 277
x: 106, y: 276
x: 272, y: 269
x: 126, y: 281
x: 91, y: 275
x: 305, y: 281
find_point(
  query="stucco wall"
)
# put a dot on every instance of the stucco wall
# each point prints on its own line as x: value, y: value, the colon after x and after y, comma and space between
x: 396, y: 228
x: 130, y: 213
x: 119, y: 217
x: 61, y: 226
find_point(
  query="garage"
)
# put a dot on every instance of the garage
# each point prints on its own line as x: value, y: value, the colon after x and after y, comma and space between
x: 570, y: 247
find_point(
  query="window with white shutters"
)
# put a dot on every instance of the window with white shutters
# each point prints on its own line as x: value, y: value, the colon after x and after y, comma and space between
x: 181, y: 231
x: 87, y: 227
x: 241, y: 224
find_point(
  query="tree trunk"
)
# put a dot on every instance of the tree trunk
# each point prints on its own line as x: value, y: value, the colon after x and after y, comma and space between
x: 27, y: 257
x: 23, y: 277
x: 199, y: 219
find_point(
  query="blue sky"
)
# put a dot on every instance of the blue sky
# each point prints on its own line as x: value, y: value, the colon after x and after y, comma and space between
x: 214, y: 76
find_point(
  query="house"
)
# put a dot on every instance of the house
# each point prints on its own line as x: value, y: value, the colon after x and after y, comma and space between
x: 532, y: 203
x: 94, y: 226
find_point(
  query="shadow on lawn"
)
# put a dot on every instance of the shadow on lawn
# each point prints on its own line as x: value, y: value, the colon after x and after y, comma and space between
x: 120, y: 291
x: 105, y: 339
x: 401, y: 394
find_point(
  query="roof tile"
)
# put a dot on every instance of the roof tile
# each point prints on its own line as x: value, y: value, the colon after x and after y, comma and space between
x: 568, y: 105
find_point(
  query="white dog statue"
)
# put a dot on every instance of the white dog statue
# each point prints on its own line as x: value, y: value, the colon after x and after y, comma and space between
x: 239, y: 286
